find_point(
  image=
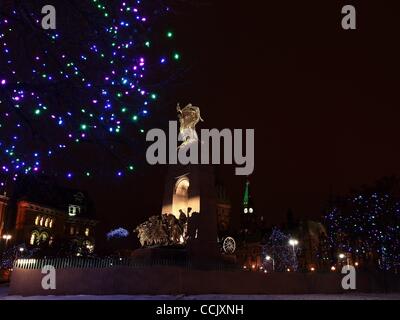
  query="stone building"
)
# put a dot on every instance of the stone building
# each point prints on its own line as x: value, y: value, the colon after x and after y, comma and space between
x: 40, y: 213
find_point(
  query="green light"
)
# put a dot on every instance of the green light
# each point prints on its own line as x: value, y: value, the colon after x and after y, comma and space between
x: 37, y: 112
x: 123, y: 110
x: 153, y: 96
x: 135, y: 118
x: 131, y: 168
x: 177, y: 56
x: 83, y: 126
x: 87, y: 174
x: 170, y: 34
x: 147, y: 44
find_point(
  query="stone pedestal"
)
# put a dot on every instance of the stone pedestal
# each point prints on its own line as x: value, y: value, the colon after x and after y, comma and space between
x: 190, y: 189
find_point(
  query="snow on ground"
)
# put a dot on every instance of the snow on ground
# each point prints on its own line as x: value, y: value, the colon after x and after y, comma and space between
x: 348, y: 296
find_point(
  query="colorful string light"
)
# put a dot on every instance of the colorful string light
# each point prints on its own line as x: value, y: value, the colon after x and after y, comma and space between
x: 67, y: 87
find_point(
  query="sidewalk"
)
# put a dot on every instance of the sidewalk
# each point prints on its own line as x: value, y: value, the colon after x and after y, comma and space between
x: 350, y: 296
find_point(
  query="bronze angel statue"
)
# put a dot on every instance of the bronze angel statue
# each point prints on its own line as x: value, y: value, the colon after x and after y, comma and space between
x: 188, y: 117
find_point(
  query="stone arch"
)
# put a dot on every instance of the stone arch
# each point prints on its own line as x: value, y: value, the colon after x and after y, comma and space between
x: 180, y: 201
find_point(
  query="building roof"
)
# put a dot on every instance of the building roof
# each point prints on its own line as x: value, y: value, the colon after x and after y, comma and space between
x: 46, y: 192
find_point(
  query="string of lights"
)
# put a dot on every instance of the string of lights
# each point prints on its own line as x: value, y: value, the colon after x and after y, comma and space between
x: 366, y: 226
x: 92, y: 80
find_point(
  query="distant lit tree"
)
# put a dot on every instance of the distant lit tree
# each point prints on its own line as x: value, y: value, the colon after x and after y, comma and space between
x: 278, y: 248
x: 366, y: 225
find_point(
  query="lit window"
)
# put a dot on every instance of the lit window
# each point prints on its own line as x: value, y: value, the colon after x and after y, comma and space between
x: 34, y: 238
x: 87, y: 232
x: 41, y: 221
x: 71, y: 231
x: 43, y: 237
x: 37, y: 220
x: 245, y: 210
x: 251, y: 210
x: 46, y: 222
x: 74, y: 210
x: 88, y: 246
x: 51, y: 223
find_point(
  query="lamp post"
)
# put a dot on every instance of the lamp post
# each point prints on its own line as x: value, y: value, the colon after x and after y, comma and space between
x: 6, y: 237
x: 293, y: 243
x: 345, y: 255
x: 269, y: 258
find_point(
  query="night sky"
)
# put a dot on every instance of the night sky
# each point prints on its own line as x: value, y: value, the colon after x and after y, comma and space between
x: 323, y: 102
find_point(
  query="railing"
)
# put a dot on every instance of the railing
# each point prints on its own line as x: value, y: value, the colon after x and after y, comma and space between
x: 101, y: 263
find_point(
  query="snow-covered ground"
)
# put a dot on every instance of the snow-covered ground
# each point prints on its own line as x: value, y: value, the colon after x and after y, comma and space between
x: 350, y: 296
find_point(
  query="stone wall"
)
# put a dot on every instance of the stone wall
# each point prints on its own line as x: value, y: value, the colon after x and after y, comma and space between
x: 174, y: 280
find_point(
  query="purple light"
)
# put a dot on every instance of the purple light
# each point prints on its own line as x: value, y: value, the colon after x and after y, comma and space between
x: 3, y: 82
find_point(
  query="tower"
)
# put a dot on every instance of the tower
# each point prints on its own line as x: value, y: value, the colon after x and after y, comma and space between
x: 248, y: 215
x: 248, y: 208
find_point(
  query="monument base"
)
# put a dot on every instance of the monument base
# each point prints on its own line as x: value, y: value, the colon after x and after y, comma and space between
x: 161, y: 255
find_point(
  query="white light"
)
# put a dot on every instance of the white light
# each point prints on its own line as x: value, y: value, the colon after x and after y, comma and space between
x: 21, y: 249
x: 342, y: 256
x: 268, y: 258
x: 293, y: 242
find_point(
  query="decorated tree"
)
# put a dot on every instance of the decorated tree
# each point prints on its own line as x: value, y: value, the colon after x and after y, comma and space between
x: 8, y: 257
x: 281, y: 254
x: 365, y: 225
x: 90, y: 84
x: 118, y: 233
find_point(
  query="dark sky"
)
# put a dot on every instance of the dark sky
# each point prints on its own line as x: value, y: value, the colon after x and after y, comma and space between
x: 323, y: 102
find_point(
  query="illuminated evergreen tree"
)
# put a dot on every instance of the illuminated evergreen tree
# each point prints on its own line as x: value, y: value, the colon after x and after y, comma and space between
x: 366, y: 225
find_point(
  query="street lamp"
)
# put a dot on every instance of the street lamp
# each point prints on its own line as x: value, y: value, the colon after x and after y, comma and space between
x: 7, y: 237
x: 345, y: 255
x: 293, y: 243
x: 269, y: 258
